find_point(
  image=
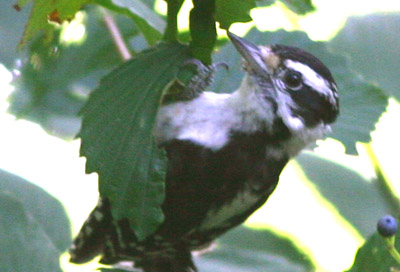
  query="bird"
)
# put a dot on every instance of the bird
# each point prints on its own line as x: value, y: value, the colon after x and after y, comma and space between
x: 225, y: 154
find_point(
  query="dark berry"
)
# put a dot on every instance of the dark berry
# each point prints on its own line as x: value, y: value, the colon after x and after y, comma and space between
x: 387, y: 226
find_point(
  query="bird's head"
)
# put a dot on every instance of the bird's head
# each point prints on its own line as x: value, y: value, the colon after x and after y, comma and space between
x: 297, y: 85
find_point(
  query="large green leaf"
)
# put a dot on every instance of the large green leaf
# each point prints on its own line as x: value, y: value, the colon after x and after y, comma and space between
x: 147, y: 20
x: 250, y: 250
x: 361, y: 102
x: 373, y: 256
x: 54, y: 83
x: 232, y: 11
x: 372, y: 42
x: 117, y: 135
x: 339, y: 185
x: 35, y: 229
x: 44, y: 11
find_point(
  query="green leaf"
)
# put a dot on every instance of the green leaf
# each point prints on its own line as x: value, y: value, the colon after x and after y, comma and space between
x: 117, y: 135
x: 361, y: 102
x: 35, y: 229
x: 265, y: 3
x: 44, y: 94
x: 372, y: 43
x: 299, y: 6
x: 149, y: 22
x: 251, y: 250
x: 44, y: 11
x: 12, y: 26
x: 338, y: 184
x: 373, y: 256
x: 233, y: 11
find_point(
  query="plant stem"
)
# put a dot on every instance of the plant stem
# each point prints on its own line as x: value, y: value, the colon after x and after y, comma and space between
x: 116, y: 36
x: 171, y: 32
x: 382, y: 182
x: 202, y: 30
x: 392, y: 249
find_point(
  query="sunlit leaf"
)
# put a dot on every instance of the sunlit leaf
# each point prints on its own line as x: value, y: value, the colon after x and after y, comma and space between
x: 117, y: 135
x: 232, y: 11
x: 339, y: 185
x: 361, y: 103
x: 44, y: 11
x: 373, y: 256
x: 253, y: 250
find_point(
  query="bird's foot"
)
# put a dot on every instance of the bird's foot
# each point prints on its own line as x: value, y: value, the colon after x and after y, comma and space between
x: 178, y: 91
x: 205, y: 75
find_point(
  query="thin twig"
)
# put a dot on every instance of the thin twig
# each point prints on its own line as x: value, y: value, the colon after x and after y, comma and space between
x: 116, y: 36
x: 390, y: 243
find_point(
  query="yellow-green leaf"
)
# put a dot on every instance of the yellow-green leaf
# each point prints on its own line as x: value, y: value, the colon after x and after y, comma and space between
x: 45, y: 12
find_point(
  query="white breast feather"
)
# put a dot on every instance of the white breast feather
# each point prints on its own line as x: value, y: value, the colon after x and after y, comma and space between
x: 209, y: 119
x: 205, y: 120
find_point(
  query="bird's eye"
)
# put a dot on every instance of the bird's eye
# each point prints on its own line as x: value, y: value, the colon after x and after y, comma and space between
x: 293, y: 79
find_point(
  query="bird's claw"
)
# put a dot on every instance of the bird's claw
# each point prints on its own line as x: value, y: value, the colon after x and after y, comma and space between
x: 205, y: 75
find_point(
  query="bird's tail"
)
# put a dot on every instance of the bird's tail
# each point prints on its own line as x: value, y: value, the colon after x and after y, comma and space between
x: 91, y: 239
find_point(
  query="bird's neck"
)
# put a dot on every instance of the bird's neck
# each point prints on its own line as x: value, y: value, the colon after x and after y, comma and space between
x: 251, y: 109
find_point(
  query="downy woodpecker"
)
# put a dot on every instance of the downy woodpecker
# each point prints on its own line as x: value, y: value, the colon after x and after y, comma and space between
x: 225, y: 154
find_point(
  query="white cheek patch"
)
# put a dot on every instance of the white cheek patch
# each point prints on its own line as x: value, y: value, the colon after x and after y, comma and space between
x: 294, y: 123
x: 310, y: 77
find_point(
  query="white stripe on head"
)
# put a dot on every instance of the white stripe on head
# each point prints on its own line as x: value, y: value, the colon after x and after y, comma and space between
x: 311, y: 78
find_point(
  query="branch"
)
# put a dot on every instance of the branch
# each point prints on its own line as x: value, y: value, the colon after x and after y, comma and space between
x: 116, y: 36
x: 171, y: 32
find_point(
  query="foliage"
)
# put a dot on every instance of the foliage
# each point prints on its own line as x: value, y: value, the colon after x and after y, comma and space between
x: 44, y: 12
x: 254, y: 250
x: 373, y: 256
x: 34, y: 227
x: 116, y: 137
x: 53, y: 87
x: 375, y: 33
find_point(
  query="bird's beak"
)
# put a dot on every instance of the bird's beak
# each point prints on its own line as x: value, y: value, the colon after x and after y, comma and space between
x: 251, y: 54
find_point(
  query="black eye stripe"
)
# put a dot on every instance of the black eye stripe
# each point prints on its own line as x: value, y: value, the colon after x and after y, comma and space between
x: 313, y: 106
